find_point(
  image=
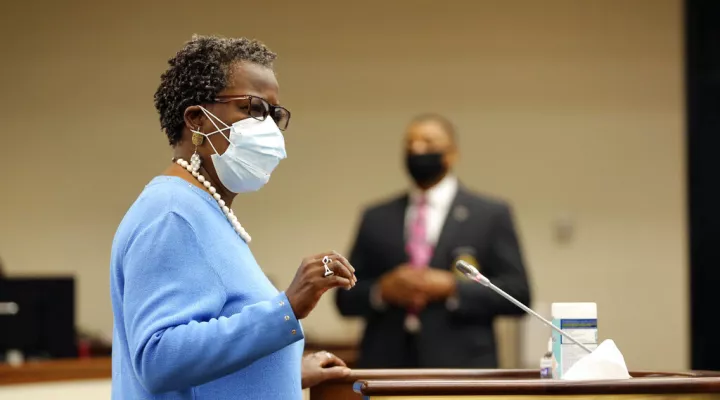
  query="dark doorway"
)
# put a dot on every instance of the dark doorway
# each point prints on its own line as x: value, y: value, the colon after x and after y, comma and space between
x: 702, y: 39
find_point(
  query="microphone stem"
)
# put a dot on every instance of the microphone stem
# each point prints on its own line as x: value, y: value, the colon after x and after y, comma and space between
x: 536, y: 315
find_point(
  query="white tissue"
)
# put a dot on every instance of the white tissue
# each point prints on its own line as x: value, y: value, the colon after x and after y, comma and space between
x: 606, y: 362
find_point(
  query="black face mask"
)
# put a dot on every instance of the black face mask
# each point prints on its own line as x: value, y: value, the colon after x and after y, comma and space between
x: 425, y: 169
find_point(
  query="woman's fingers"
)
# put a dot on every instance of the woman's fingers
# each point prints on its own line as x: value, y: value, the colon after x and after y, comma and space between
x: 337, y: 264
x: 343, y: 282
x: 342, y: 272
x: 339, y: 269
x: 334, y: 255
x: 328, y: 359
x: 335, y: 372
x: 337, y: 281
x: 344, y: 261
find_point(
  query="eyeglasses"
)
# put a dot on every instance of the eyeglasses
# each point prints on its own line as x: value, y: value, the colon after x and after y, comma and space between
x: 260, y: 109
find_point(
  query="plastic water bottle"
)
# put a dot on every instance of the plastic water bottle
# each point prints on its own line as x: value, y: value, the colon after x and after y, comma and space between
x: 547, y: 363
x: 14, y: 357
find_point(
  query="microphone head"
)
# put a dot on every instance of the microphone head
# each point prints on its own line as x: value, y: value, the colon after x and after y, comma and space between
x: 471, y: 272
x: 467, y: 269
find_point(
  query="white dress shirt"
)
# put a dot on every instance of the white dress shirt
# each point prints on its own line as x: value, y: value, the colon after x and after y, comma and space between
x: 439, y: 199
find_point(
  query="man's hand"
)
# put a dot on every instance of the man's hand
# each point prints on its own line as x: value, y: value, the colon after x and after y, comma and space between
x: 403, y: 286
x: 321, y: 366
x: 438, y: 284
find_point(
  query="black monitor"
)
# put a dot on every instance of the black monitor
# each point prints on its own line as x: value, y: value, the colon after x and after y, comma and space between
x: 37, y: 317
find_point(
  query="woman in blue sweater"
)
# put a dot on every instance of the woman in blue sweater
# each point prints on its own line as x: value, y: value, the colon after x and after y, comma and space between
x: 194, y: 315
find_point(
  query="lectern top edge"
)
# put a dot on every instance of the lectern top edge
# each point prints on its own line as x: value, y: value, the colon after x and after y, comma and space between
x: 636, y: 386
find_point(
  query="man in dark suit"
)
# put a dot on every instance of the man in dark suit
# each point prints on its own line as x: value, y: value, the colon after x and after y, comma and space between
x: 420, y: 311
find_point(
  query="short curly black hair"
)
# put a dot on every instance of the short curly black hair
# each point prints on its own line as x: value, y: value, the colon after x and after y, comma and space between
x: 198, y: 72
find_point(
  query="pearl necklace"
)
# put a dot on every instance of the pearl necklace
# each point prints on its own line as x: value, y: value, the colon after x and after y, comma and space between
x: 229, y: 214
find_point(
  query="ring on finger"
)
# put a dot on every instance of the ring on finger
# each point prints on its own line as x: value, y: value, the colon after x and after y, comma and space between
x: 328, y: 272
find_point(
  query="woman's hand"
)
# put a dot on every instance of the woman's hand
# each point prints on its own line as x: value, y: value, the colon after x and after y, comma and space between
x: 310, y: 282
x: 321, y: 366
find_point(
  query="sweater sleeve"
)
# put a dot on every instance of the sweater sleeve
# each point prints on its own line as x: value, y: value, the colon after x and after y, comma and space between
x: 172, y: 299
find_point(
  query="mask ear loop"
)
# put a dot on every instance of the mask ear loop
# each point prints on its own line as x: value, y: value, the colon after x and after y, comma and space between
x: 204, y: 135
x: 212, y: 116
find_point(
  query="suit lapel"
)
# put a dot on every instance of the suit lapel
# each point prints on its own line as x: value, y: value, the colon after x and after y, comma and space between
x: 396, y: 227
x: 457, y: 214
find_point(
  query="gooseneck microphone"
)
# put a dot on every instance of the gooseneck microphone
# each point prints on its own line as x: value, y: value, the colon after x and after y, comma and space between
x: 474, y: 275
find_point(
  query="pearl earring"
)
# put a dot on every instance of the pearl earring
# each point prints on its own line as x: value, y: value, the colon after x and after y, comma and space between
x: 197, y: 140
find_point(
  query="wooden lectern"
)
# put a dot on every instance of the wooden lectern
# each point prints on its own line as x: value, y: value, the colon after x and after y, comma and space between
x: 466, y: 384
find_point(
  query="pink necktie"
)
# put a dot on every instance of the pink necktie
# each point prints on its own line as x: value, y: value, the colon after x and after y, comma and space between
x: 419, y: 250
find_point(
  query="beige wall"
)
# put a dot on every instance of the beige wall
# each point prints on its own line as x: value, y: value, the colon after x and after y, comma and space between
x: 564, y: 107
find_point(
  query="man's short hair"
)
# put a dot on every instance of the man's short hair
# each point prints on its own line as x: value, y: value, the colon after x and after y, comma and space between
x: 447, y: 125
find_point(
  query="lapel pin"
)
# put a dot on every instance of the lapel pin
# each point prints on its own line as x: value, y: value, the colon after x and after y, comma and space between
x: 460, y: 213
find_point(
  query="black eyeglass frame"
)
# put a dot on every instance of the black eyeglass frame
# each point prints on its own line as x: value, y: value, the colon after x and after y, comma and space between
x: 268, y: 109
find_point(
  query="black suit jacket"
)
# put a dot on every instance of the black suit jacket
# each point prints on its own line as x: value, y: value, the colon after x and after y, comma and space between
x: 460, y: 337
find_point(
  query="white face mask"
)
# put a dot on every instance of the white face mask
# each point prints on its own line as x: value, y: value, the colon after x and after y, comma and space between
x: 255, y: 149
